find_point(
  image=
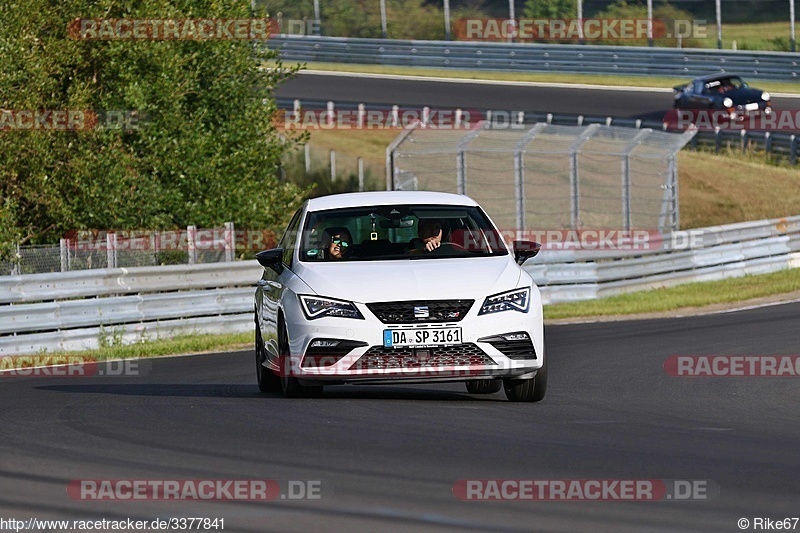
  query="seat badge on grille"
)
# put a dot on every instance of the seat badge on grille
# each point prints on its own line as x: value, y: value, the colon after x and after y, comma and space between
x: 421, y: 311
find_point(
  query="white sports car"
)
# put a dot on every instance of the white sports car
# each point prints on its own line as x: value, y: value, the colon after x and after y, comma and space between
x: 398, y: 287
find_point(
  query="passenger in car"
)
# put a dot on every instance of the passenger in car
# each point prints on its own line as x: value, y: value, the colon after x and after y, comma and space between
x: 336, y: 243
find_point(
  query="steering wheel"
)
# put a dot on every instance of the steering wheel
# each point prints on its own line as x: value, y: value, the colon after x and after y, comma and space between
x: 455, y: 245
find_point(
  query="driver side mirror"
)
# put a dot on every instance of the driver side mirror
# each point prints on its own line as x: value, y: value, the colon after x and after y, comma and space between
x: 271, y: 259
x: 524, y: 250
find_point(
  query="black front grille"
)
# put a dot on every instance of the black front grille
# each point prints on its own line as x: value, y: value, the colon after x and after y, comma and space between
x: 379, y: 357
x: 514, y: 349
x: 403, y: 312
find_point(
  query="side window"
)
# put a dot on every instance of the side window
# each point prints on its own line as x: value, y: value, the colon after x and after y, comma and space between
x: 289, y: 240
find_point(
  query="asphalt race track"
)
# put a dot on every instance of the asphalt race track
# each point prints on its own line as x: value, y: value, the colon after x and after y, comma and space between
x: 648, y: 104
x: 388, y: 457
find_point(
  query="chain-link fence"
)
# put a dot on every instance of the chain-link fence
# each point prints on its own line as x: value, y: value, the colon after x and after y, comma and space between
x: 85, y: 250
x: 548, y: 176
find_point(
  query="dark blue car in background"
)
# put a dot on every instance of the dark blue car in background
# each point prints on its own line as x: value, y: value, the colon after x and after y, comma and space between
x: 725, y: 92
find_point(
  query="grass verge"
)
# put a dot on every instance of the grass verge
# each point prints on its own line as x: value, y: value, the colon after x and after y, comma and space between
x: 585, y: 79
x: 183, y: 344
x: 688, y: 296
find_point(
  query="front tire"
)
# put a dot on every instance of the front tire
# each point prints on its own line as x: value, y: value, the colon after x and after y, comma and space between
x: 289, y: 384
x: 267, y: 380
x: 527, y: 390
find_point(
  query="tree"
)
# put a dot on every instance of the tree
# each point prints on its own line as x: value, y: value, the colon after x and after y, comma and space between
x: 198, y: 144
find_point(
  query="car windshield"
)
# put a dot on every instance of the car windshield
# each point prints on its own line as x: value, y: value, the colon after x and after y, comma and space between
x: 398, y: 232
x: 723, y: 85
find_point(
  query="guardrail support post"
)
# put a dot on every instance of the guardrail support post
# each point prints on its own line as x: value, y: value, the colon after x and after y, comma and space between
x: 307, y: 156
x: 360, y: 174
x: 793, y: 149
x: 333, y: 165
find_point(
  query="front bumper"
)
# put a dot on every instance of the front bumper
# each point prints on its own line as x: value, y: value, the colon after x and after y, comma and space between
x: 361, y: 357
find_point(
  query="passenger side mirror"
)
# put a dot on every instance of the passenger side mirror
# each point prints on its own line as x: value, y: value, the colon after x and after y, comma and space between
x: 271, y: 259
x: 524, y: 250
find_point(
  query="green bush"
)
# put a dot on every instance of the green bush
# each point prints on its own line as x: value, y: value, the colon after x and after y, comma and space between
x: 205, y: 150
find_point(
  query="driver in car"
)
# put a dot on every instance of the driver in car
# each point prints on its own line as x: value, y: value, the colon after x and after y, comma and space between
x: 430, y: 233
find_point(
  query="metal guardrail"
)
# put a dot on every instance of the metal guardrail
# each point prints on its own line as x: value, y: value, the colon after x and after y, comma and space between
x: 524, y: 57
x: 75, y: 310
x: 707, y: 254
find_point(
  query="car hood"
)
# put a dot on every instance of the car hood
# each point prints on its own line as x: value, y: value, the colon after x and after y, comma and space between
x: 744, y: 96
x: 438, y: 279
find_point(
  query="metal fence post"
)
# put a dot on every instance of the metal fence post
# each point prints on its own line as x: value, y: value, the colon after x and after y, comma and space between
x: 574, y: 181
x: 307, y: 153
x: 390, y: 153
x: 673, y: 187
x: 461, y: 158
x: 111, y: 250
x: 519, y: 172
x: 793, y: 149
x: 16, y: 269
x: 360, y: 174
x: 191, y: 243
x: 333, y: 165
x: 230, y: 242
x: 626, y: 193
x: 626, y: 175
x: 64, y: 246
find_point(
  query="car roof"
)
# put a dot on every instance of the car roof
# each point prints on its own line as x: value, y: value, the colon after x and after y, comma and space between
x: 361, y: 199
x: 717, y: 76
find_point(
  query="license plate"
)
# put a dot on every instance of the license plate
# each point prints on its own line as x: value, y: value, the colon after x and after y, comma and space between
x: 751, y: 107
x: 404, y: 338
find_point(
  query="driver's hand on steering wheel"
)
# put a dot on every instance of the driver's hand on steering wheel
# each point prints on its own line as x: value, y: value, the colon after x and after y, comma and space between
x: 433, y: 242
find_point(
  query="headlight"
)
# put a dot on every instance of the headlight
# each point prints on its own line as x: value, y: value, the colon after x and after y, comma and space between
x: 318, y: 307
x: 765, y: 96
x: 727, y: 102
x: 516, y: 300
